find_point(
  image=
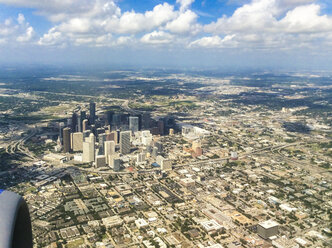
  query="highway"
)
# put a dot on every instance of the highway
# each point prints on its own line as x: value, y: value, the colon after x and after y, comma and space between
x: 205, y: 162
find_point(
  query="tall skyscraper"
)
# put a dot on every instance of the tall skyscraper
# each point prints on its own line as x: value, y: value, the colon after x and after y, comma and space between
x: 116, y: 119
x: 83, y: 115
x: 100, y: 161
x: 88, y: 151
x: 161, y: 127
x: 66, y: 139
x: 133, y: 123
x: 109, y: 117
x: 85, y: 125
x: 79, y: 124
x: 92, y: 112
x: 92, y: 138
x: 146, y: 118
x: 61, y: 126
x: 73, y: 122
x: 112, y: 136
x: 109, y: 150
x: 140, y: 122
x: 77, y: 142
x: 101, y: 141
x: 125, y: 142
x: 116, y: 164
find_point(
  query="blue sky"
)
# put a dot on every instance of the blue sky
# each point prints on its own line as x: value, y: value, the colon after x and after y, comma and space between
x: 179, y: 33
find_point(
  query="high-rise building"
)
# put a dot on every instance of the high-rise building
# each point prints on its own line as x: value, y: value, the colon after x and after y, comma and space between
x: 61, y: 127
x: 116, y: 119
x: 85, y: 125
x: 88, y: 151
x: 109, y: 150
x: 146, y: 138
x: 79, y: 124
x: 116, y: 136
x: 93, y: 129
x: 146, y: 119
x: 66, y: 139
x: 83, y: 115
x: 108, y: 135
x: 92, y: 138
x: 161, y: 127
x: 100, y: 161
x: 101, y: 142
x: 133, y: 123
x: 73, y: 122
x: 92, y: 112
x: 267, y: 229
x: 109, y: 117
x: 116, y: 164
x: 77, y: 141
x: 140, y: 122
x: 125, y: 142
x: 141, y: 157
x: 86, y: 134
x: 165, y: 164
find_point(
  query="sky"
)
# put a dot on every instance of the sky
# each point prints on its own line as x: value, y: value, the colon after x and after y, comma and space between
x: 267, y: 34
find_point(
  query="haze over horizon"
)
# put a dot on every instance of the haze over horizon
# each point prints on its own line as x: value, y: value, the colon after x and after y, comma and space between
x: 262, y: 34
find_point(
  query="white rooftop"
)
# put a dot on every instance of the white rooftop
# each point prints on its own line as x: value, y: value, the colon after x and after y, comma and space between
x: 269, y: 224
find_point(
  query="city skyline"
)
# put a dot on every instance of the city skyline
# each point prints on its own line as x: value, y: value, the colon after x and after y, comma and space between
x: 274, y: 34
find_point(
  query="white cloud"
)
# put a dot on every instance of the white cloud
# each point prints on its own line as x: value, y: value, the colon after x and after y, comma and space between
x: 20, y: 19
x: 157, y: 38
x: 17, y: 30
x: 53, y: 37
x: 27, y: 36
x: 214, y: 42
x: 132, y: 22
x: 184, y: 4
x: 306, y: 19
x: 257, y: 24
x: 185, y: 22
x: 271, y: 24
x: 88, y: 28
x: 255, y: 16
x: 61, y: 10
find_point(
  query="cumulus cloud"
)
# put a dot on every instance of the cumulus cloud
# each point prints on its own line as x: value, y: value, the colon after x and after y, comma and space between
x: 61, y: 10
x: 94, y: 26
x: 185, y: 22
x: 213, y: 42
x: 157, y: 38
x: 132, y: 22
x: 269, y: 23
x: 184, y: 4
x: 16, y: 30
x: 256, y: 24
x: 255, y: 16
x: 100, y: 21
x: 306, y: 18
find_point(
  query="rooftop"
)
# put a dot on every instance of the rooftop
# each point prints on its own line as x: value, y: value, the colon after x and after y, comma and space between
x: 269, y: 224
